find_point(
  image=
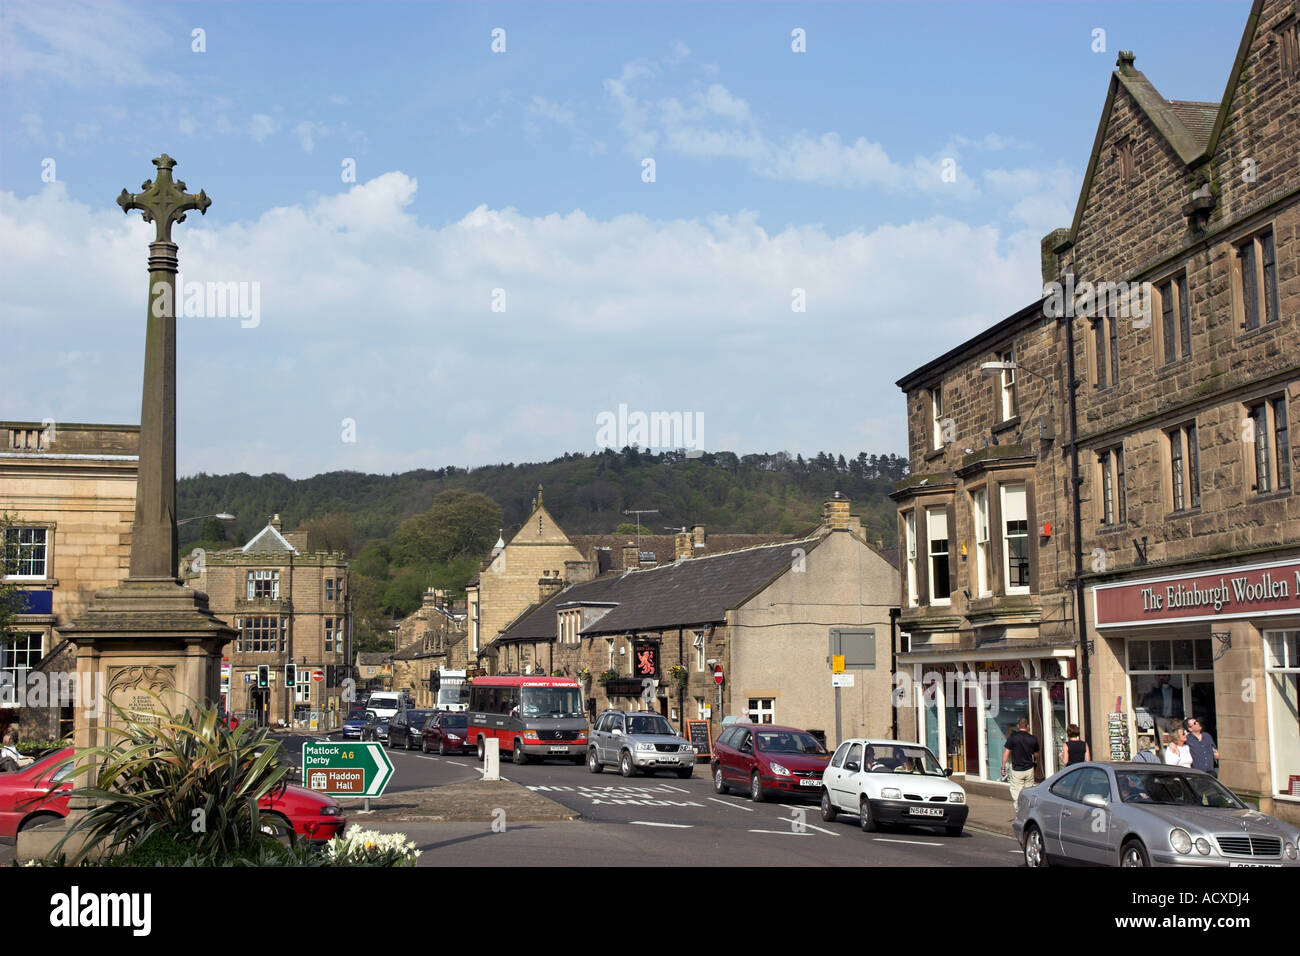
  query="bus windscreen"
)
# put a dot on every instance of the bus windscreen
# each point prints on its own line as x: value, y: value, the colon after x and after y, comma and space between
x: 551, y: 702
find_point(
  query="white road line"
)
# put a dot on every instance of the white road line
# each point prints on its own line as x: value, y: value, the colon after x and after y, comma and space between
x: 649, y: 823
x: 787, y: 832
x: 913, y: 842
x: 734, y: 806
x: 678, y: 789
x: 455, y: 763
x: 820, y: 830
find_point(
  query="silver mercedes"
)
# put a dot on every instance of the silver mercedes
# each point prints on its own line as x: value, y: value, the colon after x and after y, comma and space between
x: 1141, y: 814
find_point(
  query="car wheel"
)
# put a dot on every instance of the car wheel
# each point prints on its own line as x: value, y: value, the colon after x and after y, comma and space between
x: 718, y: 785
x: 685, y: 773
x: 517, y: 754
x: 38, y: 819
x: 424, y: 746
x: 829, y: 813
x: 625, y: 765
x: 1133, y: 853
x: 593, y: 762
x: 953, y: 831
x: 481, y: 749
x: 277, y: 825
x: 442, y: 747
x: 865, y: 819
x: 1035, y: 849
x: 756, y: 788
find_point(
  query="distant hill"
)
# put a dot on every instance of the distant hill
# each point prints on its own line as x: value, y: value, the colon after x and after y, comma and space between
x: 587, y: 494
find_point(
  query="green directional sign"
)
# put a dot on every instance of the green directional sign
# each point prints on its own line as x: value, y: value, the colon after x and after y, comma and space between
x: 346, y: 769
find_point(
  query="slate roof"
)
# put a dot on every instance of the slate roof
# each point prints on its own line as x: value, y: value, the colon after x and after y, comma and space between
x: 268, y: 539
x: 1198, y: 118
x: 664, y: 546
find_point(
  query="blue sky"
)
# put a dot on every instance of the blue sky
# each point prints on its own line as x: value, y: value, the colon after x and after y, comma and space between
x: 521, y: 171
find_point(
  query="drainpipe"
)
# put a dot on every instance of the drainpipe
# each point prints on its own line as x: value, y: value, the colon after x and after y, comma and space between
x: 1080, y: 613
x: 894, y: 612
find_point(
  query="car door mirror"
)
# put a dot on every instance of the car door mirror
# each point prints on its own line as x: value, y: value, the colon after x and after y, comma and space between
x: 1096, y: 800
x: 947, y: 771
x: 853, y: 766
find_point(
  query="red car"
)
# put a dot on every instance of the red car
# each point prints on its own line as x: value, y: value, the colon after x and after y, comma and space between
x: 25, y: 801
x: 447, y: 733
x: 764, y: 760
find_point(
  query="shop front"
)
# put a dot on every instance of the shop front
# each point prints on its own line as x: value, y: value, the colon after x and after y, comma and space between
x: 966, y: 708
x: 1219, y: 645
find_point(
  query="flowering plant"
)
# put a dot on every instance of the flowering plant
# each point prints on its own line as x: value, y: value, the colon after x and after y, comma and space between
x: 371, y: 848
x: 678, y: 674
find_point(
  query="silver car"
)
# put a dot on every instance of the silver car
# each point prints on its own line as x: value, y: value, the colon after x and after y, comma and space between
x: 1141, y: 814
x: 638, y: 741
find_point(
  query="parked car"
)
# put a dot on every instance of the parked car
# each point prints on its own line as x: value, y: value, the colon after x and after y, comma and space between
x: 638, y: 741
x: 885, y: 782
x: 1141, y: 814
x: 356, y: 722
x: 375, y: 727
x: 405, y: 727
x: 26, y: 800
x: 765, y: 759
x: 446, y: 733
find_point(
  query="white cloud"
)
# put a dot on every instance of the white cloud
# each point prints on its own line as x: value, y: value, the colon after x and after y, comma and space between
x: 86, y: 44
x: 261, y: 126
x: 369, y: 313
x: 307, y: 131
x: 544, y: 108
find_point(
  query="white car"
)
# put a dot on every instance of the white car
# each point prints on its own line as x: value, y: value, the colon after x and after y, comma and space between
x: 892, y: 782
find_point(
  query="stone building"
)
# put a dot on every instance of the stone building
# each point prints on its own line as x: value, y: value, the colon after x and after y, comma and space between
x: 374, y: 671
x: 435, y: 637
x: 770, y: 616
x: 70, y: 490
x: 1171, y: 304
x: 288, y: 605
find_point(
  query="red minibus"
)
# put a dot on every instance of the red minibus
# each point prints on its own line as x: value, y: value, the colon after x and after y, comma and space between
x: 531, y: 716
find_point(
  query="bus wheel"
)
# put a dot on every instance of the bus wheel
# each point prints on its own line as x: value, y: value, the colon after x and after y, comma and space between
x: 481, y: 749
x: 518, y: 754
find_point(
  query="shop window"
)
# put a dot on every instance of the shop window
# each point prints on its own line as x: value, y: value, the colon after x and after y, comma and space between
x: 1171, y: 679
x: 1282, y: 672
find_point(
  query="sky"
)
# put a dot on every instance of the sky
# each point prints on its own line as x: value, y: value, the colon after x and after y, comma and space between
x: 471, y: 233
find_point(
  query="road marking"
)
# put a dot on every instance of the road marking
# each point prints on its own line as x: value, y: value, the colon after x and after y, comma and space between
x: 787, y: 832
x: 649, y: 823
x: 456, y: 763
x: 820, y: 830
x: 913, y: 842
x: 734, y: 806
x: 678, y: 789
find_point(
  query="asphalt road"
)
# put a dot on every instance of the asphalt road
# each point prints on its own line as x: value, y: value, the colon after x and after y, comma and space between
x: 663, y: 820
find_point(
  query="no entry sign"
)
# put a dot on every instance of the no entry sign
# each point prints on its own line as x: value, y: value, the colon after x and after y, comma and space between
x: 318, y: 676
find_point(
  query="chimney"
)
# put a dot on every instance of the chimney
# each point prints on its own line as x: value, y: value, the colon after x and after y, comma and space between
x: 579, y: 572
x: 275, y: 521
x: 1051, y: 259
x: 549, y: 585
x: 683, y: 545
x: 630, y: 557
x: 697, y: 535
x: 835, y: 513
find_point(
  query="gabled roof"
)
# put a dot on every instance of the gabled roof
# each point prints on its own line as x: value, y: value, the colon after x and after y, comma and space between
x: 268, y: 539
x: 664, y: 546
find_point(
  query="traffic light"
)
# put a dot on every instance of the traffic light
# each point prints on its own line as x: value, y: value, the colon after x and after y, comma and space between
x: 290, y: 675
x: 435, y: 680
x: 263, y: 675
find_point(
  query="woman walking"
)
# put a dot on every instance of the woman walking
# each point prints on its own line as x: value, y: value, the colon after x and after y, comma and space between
x: 1074, y: 750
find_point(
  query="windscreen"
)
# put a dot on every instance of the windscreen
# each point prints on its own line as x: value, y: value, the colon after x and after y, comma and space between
x: 1175, y: 789
x: 551, y: 702
x: 653, y: 724
x: 788, y: 742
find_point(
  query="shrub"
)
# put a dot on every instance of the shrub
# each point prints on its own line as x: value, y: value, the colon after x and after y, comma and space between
x: 371, y: 848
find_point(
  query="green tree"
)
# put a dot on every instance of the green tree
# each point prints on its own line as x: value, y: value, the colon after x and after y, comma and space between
x: 459, y: 524
x: 331, y: 532
x: 8, y: 589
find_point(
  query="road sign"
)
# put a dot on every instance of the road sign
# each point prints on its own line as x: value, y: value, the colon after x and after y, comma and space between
x: 837, y: 664
x: 717, y: 674
x: 345, y: 769
x: 318, y: 676
x: 842, y: 680
x: 248, y: 678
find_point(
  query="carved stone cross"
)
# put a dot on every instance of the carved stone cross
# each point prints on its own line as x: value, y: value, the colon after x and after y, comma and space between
x: 153, y: 535
x: 163, y: 201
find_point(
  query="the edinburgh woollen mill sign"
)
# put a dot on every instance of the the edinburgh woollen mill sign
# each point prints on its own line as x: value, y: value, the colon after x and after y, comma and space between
x: 1261, y: 589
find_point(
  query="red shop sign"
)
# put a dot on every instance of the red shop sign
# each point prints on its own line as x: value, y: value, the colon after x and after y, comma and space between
x: 1260, y: 589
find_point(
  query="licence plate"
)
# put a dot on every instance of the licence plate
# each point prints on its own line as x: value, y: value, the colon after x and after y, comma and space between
x: 925, y: 811
x: 559, y: 750
x: 1254, y: 864
x: 810, y: 782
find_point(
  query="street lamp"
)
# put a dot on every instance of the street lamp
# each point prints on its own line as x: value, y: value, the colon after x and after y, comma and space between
x: 221, y: 516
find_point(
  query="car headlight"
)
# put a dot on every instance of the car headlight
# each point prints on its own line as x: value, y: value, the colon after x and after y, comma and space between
x: 956, y: 797
x: 685, y: 748
x: 645, y: 746
x: 580, y: 735
x: 779, y: 770
x: 1180, y: 840
x: 331, y: 811
x: 530, y: 735
x: 1202, y: 846
x: 1290, y: 851
x: 452, y: 737
x: 889, y: 793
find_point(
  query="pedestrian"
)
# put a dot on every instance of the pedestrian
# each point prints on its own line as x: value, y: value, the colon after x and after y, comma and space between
x: 1146, y: 750
x: 1074, y: 750
x: 1204, y: 752
x: 1022, y: 750
x: 1178, y: 753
